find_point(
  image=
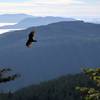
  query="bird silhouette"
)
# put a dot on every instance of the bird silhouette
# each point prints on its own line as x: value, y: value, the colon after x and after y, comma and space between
x: 30, y: 39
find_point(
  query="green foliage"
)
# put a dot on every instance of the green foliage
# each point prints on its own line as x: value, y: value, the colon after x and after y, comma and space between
x: 88, y: 93
x: 62, y: 88
x: 6, y: 78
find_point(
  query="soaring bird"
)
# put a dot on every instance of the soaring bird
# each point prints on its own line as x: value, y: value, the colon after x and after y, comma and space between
x: 30, y: 39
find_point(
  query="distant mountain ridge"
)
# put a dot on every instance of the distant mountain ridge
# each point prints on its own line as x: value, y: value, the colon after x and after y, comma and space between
x: 12, y: 18
x: 36, y: 21
x: 92, y: 20
x: 61, y: 48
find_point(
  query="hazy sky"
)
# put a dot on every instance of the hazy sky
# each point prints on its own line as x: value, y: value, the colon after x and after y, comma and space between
x: 67, y: 8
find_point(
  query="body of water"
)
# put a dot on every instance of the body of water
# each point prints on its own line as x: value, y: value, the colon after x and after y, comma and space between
x: 6, y: 30
x: 2, y: 31
x: 3, y: 24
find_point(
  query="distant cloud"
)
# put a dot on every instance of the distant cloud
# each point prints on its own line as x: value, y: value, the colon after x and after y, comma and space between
x: 58, y: 2
x: 9, y: 1
x: 52, y: 7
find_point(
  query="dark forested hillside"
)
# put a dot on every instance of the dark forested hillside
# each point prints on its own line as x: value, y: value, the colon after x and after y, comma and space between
x: 61, y: 48
x: 62, y: 88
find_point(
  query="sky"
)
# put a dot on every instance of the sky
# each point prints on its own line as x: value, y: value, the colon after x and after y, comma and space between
x: 65, y: 8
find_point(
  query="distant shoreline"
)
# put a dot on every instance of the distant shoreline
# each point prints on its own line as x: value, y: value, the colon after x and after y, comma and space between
x: 3, y: 24
x: 2, y: 31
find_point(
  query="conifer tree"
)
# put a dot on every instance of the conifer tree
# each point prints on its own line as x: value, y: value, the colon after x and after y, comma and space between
x: 5, y: 77
x: 91, y: 93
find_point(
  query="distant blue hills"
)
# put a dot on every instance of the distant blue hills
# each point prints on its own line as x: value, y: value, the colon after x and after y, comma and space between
x: 12, y: 18
x: 62, y: 48
x: 36, y: 21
